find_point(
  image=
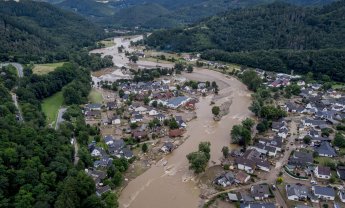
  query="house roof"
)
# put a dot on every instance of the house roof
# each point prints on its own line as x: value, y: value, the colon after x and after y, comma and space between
x: 325, y: 149
x: 324, y: 191
x: 177, y: 101
x: 260, y: 190
x: 341, y: 172
x: 175, y: 133
x: 298, y: 190
x: 245, y: 162
x: 241, y: 176
x: 257, y: 205
x: 323, y: 170
x: 103, y: 189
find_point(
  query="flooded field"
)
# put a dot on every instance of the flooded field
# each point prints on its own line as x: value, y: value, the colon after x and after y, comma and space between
x: 174, y: 185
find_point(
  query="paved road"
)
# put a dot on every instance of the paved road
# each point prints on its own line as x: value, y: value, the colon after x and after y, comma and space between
x: 59, y: 118
x: 18, y: 66
x: 20, y: 115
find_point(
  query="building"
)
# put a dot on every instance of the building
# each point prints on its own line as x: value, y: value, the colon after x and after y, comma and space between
x: 177, y: 102
x: 341, y: 172
x: 296, y: 192
x: 325, y: 150
x: 326, y: 193
x: 322, y: 172
x: 260, y: 192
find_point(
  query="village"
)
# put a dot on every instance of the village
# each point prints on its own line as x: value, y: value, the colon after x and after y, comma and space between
x: 294, y: 163
x: 299, y: 161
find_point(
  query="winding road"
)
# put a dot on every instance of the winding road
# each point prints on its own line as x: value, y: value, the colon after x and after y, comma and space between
x: 19, y: 68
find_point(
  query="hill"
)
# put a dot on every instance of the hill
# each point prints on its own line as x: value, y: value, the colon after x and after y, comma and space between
x: 87, y: 8
x: 37, y: 30
x: 280, y: 30
x: 137, y: 15
x: 162, y: 13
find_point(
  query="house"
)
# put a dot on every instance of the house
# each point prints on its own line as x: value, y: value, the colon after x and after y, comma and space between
x: 257, y: 205
x: 296, y: 192
x: 265, y: 149
x: 242, y: 177
x: 260, y: 192
x: 225, y: 180
x: 104, y: 162
x: 95, y: 114
x: 326, y: 193
x: 109, y: 140
x: 116, y: 147
x: 325, y: 150
x: 125, y: 153
x: 141, y: 110
x: 139, y: 135
x: 301, y: 159
x: 283, y: 133
x: 111, y: 105
x: 116, y: 120
x: 97, y: 152
x: 245, y: 164
x: 102, y: 190
x: 322, y: 172
x: 341, y: 172
x: 180, y: 122
x: 167, y: 147
x: 233, y: 197
x: 176, y: 102
x: 341, y: 194
x: 137, y: 118
x: 176, y: 133
x: 153, y: 112
x: 93, y: 107
x: 160, y: 117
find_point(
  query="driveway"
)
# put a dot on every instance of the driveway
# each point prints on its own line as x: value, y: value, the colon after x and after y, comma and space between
x: 18, y: 66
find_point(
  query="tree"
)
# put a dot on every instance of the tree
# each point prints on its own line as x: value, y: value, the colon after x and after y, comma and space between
x: 248, y: 123
x: 197, y: 161
x: 307, y: 139
x: 339, y: 140
x: 190, y: 69
x: 205, y: 148
x: 279, y: 180
x: 121, y: 93
x: 215, y: 110
x: 225, y: 151
x: 251, y: 79
x: 240, y: 135
x: 146, y: 100
x: 173, y: 124
x: 144, y: 148
x: 133, y: 58
x: 154, y: 104
x: 110, y: 200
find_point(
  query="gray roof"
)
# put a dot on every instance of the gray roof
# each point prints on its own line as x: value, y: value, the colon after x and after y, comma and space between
x: 325, y: 191
x: 298, y: 190
x: 260, y: 190
x: 257, y: 205
x: 177, y: 100
x: 325, y: 149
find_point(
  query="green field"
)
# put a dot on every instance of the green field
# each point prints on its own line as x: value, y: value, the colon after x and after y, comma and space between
x: 46, y: 68
x: 95, y: 97
x: 51, y: 105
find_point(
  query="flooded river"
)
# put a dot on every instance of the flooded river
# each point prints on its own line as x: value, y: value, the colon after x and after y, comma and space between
x: 174, y: 185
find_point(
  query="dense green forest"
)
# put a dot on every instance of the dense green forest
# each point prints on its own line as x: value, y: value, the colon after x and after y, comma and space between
x: 162, y: 13
x: 278, y: 37
x: 37, y: 31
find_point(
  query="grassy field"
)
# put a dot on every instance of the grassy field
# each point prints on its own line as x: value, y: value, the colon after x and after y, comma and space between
x: 51, y: 105
x: 107, y: 42
x: 95, y: 97
x: 46, y: 68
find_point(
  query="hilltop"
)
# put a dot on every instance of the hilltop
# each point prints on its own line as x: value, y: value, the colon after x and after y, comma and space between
x: 31, y: 30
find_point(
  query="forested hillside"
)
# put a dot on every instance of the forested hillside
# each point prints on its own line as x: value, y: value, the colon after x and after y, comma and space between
x: 162, y: 13
x: 38, y: 31
x: 273, y: 37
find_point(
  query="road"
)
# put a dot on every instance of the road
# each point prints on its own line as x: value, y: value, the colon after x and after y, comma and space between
x: 15, y: 101
x: 18, y: 66
x: 59, y: 118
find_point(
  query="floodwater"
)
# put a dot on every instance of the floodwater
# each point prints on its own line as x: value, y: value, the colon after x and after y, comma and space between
x: 174, y: 185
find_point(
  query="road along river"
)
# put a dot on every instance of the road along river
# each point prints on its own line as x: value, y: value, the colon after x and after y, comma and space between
x: 174, y: 185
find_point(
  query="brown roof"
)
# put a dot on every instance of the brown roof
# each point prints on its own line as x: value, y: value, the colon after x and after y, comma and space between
x: 241, y: 176
x: 324, y: 170
x: 176, y: 133
x: 139, y: 134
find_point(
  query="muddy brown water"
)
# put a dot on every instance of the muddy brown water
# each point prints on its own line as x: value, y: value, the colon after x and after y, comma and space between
x: 174, y: 185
